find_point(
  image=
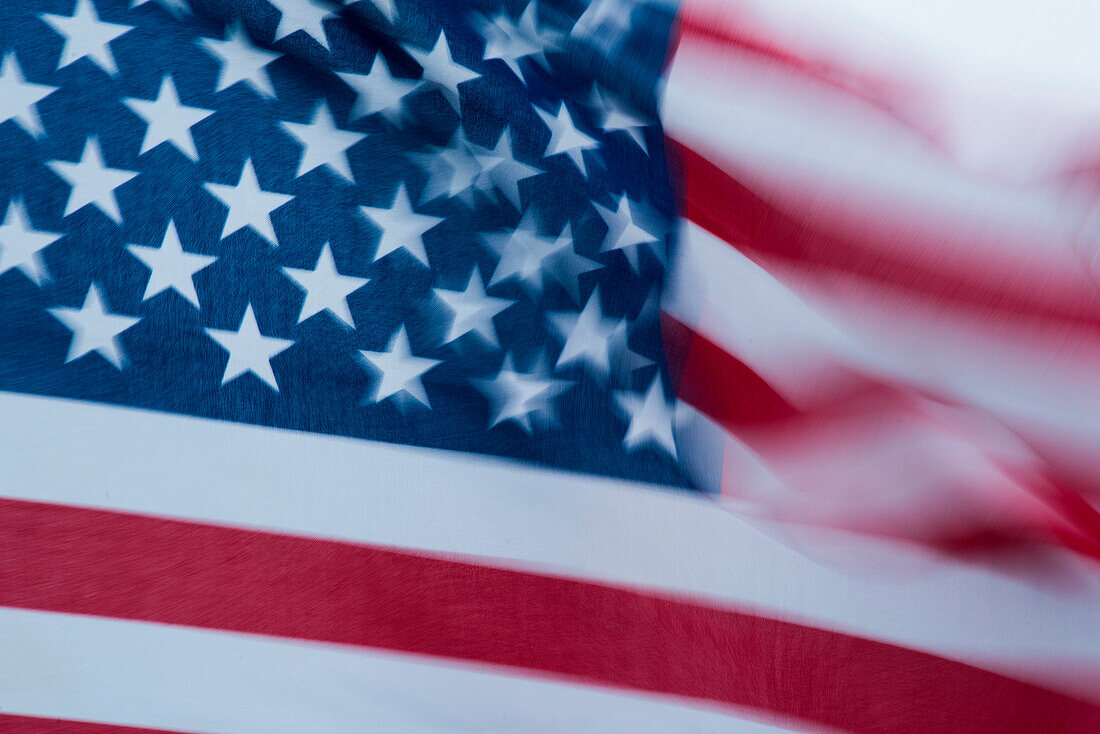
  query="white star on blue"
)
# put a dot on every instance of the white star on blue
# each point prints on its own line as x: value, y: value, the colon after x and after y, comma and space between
x: 383, y: 220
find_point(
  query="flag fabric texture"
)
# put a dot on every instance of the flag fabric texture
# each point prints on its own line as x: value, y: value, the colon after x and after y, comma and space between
x: 413, y: 366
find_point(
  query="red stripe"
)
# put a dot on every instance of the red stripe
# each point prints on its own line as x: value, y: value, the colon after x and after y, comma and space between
x: 1081, y: 532
x: 715, y: 382
x: 717, y: 202
x: 83, y: 561
x: 10, y: 724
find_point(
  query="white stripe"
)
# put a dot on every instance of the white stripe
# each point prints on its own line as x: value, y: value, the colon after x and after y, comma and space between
x: 1008, y: 84
x: 156, y: 676
x: 769, y: 119
x: 1005, y: 42
x: 91, y: 455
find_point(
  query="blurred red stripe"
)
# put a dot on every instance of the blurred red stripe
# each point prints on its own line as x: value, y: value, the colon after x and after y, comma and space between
x: 11, y: 724
x: 710, y: 379
x: 725, y: 207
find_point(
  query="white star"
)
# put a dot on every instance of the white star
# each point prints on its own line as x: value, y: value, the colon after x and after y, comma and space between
x: 510, y: 40
x: 633, y: 126
x: 588, y: 336
x: 378, y: 90
x: 241, y: 61
x: 533, y: 260
x: 178, y: 8
x: 92, y: 181
x: 400, y: 370
x: 167, y: 119
x: 451, y: 172
x: 21, y: 244
x: 565, y: 137
x: 441, y: 69
x: 500, y: 169
x: 650, y: 418
x: 302, y: 15
x: 625, y: 360
x: 401, y: 226
x: 623, y: 232
x: 326, y: 289
x: 323, y: 143
x: 18, y: 97
x: 249, y: 205
x: 171, y: 267
x: 518, y: 396
x: 521, y: 253
x: 387, y: 8
x: 615, y: 118
x: 604, y: 23
x: 249, y: 350
x: 473, y: 310
x: 94, y: 329
x: 86, y: 35
x: 600, y: 342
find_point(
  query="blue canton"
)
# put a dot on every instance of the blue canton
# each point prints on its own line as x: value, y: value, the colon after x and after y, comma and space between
x: 442, y: 224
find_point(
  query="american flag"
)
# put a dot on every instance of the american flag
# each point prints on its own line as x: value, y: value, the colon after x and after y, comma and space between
x: 383, y: 366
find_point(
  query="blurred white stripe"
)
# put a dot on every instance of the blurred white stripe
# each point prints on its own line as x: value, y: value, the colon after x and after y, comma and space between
x: 1012, y: 87
x: 797, y: 327
x: 819, y: 152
